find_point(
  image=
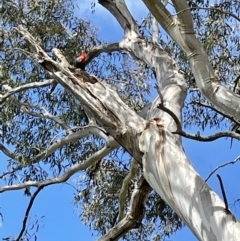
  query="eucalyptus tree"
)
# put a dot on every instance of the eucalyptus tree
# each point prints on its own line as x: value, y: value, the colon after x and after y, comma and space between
x: 135, y: 178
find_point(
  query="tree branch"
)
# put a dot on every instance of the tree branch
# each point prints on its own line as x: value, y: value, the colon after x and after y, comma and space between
x: 58, y: 144
x: 155, y: 31
x: 211, y: 8
x: 216, y: 110
x: 123, y: 192
x: 134, y: 216
x: 206, y: 80
x: 8, y: 152
x: 158, y: 9
x: 185, y: 17
x: 178, y: 123
x: 45, y: 115
x: 120, y: 11
x: 19, y: 238
x: 223, y: 165
x: 213, y: 137
x: 236, y: 82
x: 197, y: 136
x: 223, y: 192
x: 109, y: 147
x: 106, y: 48
x: 82, y: 133
x: 25, y: 87
x: 167, y: 72
x: 10, y: 172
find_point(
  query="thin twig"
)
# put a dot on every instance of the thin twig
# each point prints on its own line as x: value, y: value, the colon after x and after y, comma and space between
x: 216, y: 110
x: 213, y: 137
x: 10, y: 172
x: 223, y: 165
x: 210, y: 8
x: 27, y: 212
x: 197, y: 136
x: 46, y: 115
x: 125, y: 185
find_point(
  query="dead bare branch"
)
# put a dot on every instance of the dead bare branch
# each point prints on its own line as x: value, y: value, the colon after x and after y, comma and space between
x: 178, y: 123
x: 223, y: 193
x: 223, y: 165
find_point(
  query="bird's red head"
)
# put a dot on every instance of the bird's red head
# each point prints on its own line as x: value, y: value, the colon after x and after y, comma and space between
x: 82, y: 57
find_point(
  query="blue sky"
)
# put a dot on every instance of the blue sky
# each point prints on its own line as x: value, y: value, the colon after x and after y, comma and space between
x: 55, y: 203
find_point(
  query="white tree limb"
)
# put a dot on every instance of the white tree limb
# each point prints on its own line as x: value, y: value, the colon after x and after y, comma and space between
x: 124, y: 188
x: 185, y: 16
x: 134, y: 215
x: 182, y: 32
x: 25, y: 87
x: 120, y: 11
x: 82, y: 133
x: 155, y: 31
x: 165, y: 164
x: 171, y: 83
x: 98, y: 155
